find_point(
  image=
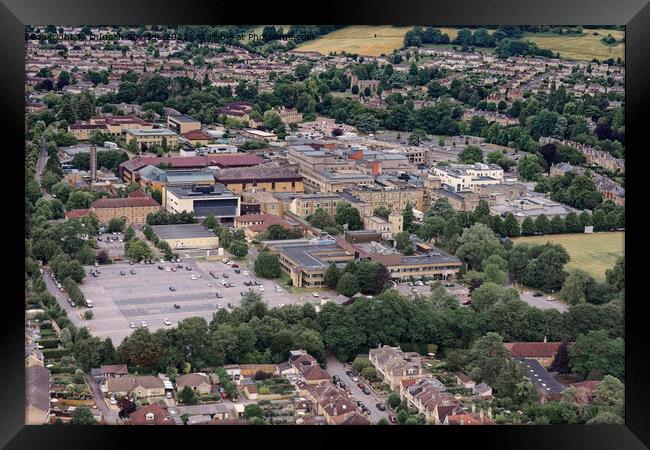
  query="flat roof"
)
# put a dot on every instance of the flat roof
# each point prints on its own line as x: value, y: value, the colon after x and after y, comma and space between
x: 183, y: 118
x: 188, y: 230
x: 219, y: 190
x: 153, y: 132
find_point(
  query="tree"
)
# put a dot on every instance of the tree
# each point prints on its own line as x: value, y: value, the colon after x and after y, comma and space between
x: 116, y: 224
x: 253, y: 410
x: 267, y: 265
x: 557, y: 225
x: 599, y: 219
x: 529, y: 167
x: 595, y: 354
x: 610, y: 396
x: 82, y: 416
x: 476, y: 244
x: 188, y: 396
x: 470, y: 155
x: 78, y: 200
x: 347, y: 214
x: 88, y: 352
x: 382, y: 212
x: 238, y: 249
x: 129, y: 234
x: 418, y: 136
x: 408, y: 216
x: 332, y: 275
x: 616, y: 275
x: 572, y: 224
x: 574, y: 289
x: 488, y: 357
x: 560, y: 362
x: 394, y: 400
x: 140, y: 348
x: 138, y: 250
x: 527, y: 227
x: 511, y: 226
x: 546, y: 271
x: 487, y: 295
x: 347, y: 285
x: 542, y: 225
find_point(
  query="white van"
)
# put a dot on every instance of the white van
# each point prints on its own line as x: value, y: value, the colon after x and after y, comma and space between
x: 89, y: 303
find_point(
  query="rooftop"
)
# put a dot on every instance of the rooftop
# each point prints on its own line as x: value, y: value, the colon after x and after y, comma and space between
x: 190, y: 230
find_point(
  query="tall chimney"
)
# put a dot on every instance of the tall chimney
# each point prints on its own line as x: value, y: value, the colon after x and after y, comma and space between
x: 93, y: 163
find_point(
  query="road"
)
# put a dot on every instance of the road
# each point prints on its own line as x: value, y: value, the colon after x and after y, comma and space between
x: 42, y: 159
x: 62, y: 299
x: 110, y: 416
x: 336, y: 367
x: 542, y: 302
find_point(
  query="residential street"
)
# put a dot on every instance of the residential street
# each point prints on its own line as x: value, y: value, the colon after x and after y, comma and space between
x: 62, y: 299
x: 111, y: 417
x: 336, y: 367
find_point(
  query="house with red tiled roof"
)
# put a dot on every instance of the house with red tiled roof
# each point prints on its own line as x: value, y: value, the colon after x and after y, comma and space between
x: 467, y: 418
x: 133, y: 209
x: 331, y: 402
x: 197, y: 138
x: 259, y: 223
x: 151, y: 415
x: 76, y: 213
x: 543, y: 352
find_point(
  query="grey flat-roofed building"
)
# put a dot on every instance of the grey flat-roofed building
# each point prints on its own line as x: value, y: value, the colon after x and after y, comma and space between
x: 203, y: 200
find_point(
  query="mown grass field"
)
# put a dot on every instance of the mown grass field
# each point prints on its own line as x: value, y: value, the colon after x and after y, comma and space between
x: 582, y: 47
x: 593, y: 253
x: 367, y: 40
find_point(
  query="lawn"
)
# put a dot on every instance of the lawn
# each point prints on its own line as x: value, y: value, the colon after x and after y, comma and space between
x: 582, y: 47
x: 368, y: 40
x: 593, y: 253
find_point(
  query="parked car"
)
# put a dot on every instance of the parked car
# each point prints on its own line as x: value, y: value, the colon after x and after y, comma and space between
x: 538, y: 294
x: 230, y: 306
x: 237, y: 271
x: 246, y: 273
x: 550, y: 299
x: 219, y: 295
x: 361, y: 386
x: 355, y: 379
x: 247, y: 283
x: 366, y: 391
x: 234, y: 265
x: 315, y: 294
x: 172, y: 288
x: 132, y: 272
x: 188, y: 268
x: 122, y: 272
x: 225, y: 275
x: 132, y: 325
x: 392, y: 418
x: 144, y: 324
x: 261, y: 288
x: 161, y: 268
x: 167, y: 322
x: 380, y: 407
x: 177, y: 306
x: 449, y: 285
x: 342, y: 385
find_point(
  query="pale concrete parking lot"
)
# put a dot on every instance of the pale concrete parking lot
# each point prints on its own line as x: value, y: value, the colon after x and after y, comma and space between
x: 121, y: 299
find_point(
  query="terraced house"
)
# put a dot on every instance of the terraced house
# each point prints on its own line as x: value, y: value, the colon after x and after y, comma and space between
x: 394, y: 365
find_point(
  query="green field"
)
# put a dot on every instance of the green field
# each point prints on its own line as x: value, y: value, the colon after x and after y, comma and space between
x: 593, y: 253
x: 582, y: 47
x: 367, y: 40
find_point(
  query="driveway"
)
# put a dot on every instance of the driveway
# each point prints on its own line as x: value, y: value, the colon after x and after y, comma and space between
x: 110, y: 416
x: 336, y: 367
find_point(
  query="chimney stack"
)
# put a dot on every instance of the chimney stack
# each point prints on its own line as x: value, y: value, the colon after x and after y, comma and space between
x: 93, y: 163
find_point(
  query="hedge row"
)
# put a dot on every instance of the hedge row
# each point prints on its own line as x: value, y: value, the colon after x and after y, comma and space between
x: 56, y: 352
x: 49, y: 343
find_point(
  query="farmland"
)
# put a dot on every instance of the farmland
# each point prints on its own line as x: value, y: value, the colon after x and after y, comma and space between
x: 360, y: 39
x: 582, y: 47
x: 593, y: 253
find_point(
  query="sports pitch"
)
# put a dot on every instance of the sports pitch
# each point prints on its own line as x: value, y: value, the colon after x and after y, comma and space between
x: 593, y: 253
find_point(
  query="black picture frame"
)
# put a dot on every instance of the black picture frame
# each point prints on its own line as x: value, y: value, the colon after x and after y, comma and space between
x: 635, y: 14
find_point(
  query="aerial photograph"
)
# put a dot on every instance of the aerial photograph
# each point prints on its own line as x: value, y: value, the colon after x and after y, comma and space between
x: 324, y: 225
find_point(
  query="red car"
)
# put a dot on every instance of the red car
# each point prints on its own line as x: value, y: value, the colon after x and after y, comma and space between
x: 234, y: 266
x: 392, y: 418
x: 361, y: 386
